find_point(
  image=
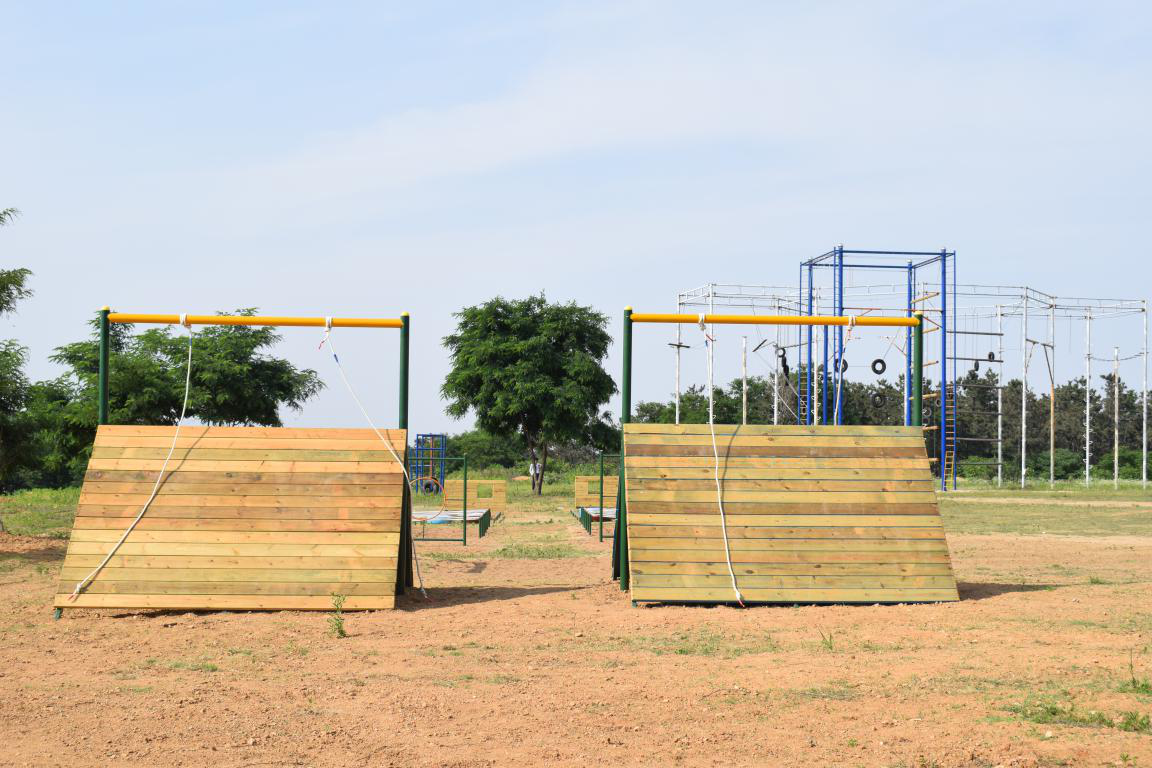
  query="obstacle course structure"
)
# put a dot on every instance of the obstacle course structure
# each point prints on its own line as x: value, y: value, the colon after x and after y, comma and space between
x: 241, y: 518
x: 806, y: 514
x: 592, y: 495
x: 427, y: 463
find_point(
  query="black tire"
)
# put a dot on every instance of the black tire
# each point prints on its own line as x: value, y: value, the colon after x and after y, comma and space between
x: 878, y: 399
x: 879, y: 366
x: 843, y: 365
x: 991, y: 357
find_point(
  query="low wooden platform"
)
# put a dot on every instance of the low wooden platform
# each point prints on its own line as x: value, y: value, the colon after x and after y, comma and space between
x: 814, y: 515
x: 248, y: 518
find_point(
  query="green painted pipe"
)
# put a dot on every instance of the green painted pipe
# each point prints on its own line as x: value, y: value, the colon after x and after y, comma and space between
x: 102, y: 372
x: 620, y: 541
x: 918, y: 371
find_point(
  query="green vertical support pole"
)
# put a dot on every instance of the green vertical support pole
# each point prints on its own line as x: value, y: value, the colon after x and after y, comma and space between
x: 464, y: 463
x: 102, y: 370
x: 918, y: 371
x: 404, y: 564
x: 601, y: 495
x: 620, y: 540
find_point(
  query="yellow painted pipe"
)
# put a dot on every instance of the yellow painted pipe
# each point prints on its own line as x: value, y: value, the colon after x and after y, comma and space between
x: 310, y: 322
x: 861, y: 320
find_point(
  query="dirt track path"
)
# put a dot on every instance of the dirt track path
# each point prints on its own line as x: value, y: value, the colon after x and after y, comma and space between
x: 544, y: 662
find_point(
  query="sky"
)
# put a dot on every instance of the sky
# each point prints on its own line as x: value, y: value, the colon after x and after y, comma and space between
x: 367, y: 158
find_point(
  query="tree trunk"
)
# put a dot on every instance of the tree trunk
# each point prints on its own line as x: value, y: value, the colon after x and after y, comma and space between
x: 532, y: 462
x: 543, y: 466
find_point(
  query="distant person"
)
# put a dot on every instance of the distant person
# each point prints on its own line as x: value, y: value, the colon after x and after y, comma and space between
x: 534, y: 473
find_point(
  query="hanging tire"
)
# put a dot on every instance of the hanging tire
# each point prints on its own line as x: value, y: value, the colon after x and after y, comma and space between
x: 878, y: 399
x: 782, y: 354
x: 843, y: 365
x: 879, y: 366
x: 991, y: 357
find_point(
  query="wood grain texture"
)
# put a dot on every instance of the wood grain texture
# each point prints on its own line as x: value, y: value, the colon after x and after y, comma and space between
x: 813, y: 514
x: 586, y: 491
x: 246, y: 518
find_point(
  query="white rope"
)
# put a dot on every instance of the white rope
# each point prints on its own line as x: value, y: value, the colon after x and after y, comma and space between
x: 388, y: 443
x: 840, y: 373
x: 709, y: 341
x: 159, y: 478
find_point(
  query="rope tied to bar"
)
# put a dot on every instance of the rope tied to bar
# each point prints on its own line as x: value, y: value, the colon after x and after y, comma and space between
x: 709, y: 343
x: 80, y: 585
x: 327, y: 339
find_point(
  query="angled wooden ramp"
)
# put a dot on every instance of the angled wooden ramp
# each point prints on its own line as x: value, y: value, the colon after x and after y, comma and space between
x: 248, y: 518
x: 814, y: 515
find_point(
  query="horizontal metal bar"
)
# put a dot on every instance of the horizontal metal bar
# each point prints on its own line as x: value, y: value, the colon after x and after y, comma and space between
x: 310, y: 322
x: 974, y: 333
x: 978, y: 463
x: 977, y: 359
x: 977, y: 439
x: 829, y: 320
x: 980, y: 386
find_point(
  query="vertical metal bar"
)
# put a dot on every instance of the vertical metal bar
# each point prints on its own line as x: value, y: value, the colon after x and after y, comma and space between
x: 602, y: 487
x: 1052, y: 396
x: 1088, y: 398
x: 1116, y: 417
x: 908, y: 350
x: 404, y: 575
x: 1144, y: 405
x: 946, y: 393
x: 103, y: 357
x: 918, y: 371
x: 1000, y: 397
x: 838, y: 416
x: 743, y: 376
x: 464, y: 465
x: 1024, y: 394
x: 810, y: 374
x: 679, y: 342
x: 776, y: 374
x: 620, y: 540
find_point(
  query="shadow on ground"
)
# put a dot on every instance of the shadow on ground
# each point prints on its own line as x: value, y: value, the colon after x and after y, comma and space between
x: 979, y: 590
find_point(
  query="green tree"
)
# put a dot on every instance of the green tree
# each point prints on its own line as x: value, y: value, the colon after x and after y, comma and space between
x: 530, y: 368
x: 234, y: 382
x: 13, y: 381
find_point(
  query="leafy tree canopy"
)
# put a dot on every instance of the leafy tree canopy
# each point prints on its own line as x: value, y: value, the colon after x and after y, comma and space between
x: 530, y: 368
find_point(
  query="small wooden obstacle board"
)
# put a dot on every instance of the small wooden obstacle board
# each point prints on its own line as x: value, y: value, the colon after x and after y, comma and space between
x: 247, y: 518
x: 587, y: 500
x: 490, y: 495
x: 814, y: 515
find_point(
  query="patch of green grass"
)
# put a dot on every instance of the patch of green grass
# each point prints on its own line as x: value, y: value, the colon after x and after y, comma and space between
x: 827, y: 641
x: 336, y: 618
x: 295, y: 649
x: 838, y: 690
x: 1050, y: 712
x: 1138, y: 685
x: 1062, y: 519
x: 47, y: 512
x: 523, y: 550
x: 241, y: 652
x: 135, y: 689
x: 1098, y: 580
x: 701, y: 642
x: 194, y: 666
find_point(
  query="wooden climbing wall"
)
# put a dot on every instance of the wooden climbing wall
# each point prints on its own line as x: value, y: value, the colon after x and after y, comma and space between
x: 814, y: 515
x: 587, y: 491
x: 247, y: 518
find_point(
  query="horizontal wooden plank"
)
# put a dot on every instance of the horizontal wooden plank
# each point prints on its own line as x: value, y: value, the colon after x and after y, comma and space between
x: 872, y: 581
x: 767, y: 429
x: 176, y: 487
x: 710, y: 507
x: 639, y: 496
x: 730, y: 484
x: 782, y: 569
x: 254, y: 589
x: 242, y: 513
x: 775, y: 451
x: 257, y: 549
x: 243, y: 575
x: 371, y: 443
x: 272, y: 432
x: 161, y: 562
x: 225, y: 500
x: 815, y: 595
x: 790, y: 556
x: 786, y: 521
x: 747, y: 440
x: 706, y: 471
x: 227, y: 602
x: 243, y: 478
x: 267, y: 454
x: 714, y: 531
x: 236, y: 537
x: 706, y: 461
x: 249, y: 465
x: 639, y: 544
x: 149, y: 523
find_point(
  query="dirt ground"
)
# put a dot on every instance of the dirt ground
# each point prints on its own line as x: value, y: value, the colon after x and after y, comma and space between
x: 529, y: 662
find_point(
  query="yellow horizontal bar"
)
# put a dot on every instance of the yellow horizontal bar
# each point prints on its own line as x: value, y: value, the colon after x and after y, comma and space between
x: 310, y: 322
x: 861, y: 320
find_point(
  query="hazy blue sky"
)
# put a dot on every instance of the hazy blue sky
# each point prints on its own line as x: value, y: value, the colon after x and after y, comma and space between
x: 366, y: 158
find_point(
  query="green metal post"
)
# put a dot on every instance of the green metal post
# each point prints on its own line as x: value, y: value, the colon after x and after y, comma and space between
x: 621, y: 538
x: 404, y: 576
x: 918, y: 371
x: 465, y: 464
x: 102, y: 372
x: 601, y: 495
